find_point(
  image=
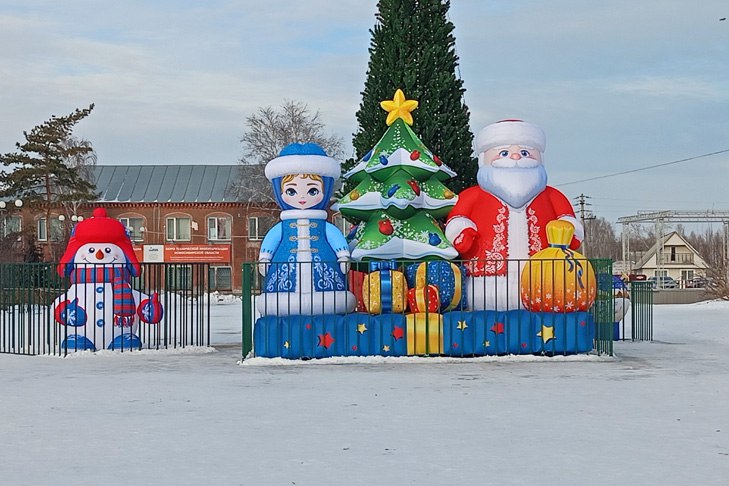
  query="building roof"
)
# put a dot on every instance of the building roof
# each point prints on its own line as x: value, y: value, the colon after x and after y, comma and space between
x: 172, y: 183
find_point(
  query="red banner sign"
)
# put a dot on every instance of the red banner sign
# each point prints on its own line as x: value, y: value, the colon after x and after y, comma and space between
x: 197, y: 253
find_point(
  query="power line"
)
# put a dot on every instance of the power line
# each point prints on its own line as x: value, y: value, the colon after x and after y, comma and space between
x: 643, y: 168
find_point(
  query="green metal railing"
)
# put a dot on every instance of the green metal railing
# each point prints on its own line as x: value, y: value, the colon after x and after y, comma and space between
x: 602, y: 309
x: 28, y: 325
x: 641, y: 311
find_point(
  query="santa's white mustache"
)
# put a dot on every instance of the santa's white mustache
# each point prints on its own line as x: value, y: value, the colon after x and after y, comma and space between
x: 507, y: 163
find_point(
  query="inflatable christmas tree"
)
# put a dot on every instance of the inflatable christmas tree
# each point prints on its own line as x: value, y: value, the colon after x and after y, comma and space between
x: 399, y: 194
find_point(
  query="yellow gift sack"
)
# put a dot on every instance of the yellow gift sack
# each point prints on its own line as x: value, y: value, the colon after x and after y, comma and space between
x: 558, y: 279
x: 385, y: 291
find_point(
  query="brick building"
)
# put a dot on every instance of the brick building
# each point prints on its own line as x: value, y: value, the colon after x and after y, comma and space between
x: 174, y: 214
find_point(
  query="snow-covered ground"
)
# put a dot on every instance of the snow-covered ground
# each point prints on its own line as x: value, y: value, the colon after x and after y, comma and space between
x: 657, y: 413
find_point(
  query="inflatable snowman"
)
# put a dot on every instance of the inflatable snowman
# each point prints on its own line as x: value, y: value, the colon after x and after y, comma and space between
x: 100, y: 309
x: 304, y: 258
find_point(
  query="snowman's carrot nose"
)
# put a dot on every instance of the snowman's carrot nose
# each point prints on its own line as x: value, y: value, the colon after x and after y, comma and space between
x: 99, y: 254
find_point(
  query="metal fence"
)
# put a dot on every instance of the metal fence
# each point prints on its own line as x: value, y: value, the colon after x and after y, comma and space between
x: 427, y: 327
x: 166, y: 306
x: 641, y: 311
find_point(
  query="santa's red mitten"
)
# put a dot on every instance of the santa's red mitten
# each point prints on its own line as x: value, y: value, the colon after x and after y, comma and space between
x: 151, y: 310
x: 464, y: 241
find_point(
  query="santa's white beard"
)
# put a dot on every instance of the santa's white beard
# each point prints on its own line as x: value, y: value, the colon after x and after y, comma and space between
x: 516, y: 185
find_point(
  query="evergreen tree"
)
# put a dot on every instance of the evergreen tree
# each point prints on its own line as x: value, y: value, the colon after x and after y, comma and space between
x: 42, y: 170
x: 413, y: 48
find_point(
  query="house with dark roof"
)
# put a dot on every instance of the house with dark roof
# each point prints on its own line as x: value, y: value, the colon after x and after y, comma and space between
x: 216, y: 214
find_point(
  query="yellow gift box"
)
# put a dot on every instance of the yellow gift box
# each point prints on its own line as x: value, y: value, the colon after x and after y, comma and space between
x: 380, y: 282
x: 558, y: 279
x: 425, y: 333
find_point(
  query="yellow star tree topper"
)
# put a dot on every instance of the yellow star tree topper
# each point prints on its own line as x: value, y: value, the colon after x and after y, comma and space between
x: 399, y: 107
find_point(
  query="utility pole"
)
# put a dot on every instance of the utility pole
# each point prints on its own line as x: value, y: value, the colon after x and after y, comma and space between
x: 585, y: 215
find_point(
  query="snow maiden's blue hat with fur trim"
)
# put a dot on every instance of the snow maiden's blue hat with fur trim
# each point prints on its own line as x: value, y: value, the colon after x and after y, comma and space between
x: 303, y: 158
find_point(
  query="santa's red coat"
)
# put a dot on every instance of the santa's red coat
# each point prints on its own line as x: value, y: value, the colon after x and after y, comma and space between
x: 490, y: 249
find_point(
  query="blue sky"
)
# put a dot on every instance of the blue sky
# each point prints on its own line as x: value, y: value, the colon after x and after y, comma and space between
x: 616, y: 85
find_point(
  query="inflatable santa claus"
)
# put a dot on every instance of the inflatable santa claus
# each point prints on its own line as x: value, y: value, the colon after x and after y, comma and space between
x: 100, y: 309
x: 497, y: 225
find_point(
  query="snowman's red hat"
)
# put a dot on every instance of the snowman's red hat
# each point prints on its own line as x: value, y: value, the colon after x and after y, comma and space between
x: 98, y: 229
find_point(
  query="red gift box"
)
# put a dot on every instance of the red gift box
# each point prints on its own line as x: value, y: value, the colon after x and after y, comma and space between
x: 424, y: 297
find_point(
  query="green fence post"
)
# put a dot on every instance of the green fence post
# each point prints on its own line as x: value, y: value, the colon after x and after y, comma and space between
x: 604, y: 308
x: 247, y: 314
x: 641, y: 311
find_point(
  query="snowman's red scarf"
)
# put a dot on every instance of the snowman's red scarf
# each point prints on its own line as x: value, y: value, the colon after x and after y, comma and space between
x: 119, y: 277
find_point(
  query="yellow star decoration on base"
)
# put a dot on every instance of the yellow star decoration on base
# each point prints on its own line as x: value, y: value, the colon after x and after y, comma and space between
x: 286, y: 344
x: 386, y: 348
x: 486, y: 344
x: 547, y: 333
x: 361, y: 328
x: 461, y: 325
x: 399, y: 107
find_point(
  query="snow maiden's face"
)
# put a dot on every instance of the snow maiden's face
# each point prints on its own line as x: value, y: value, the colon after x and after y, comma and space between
x: 302, y: 191
x: 100, y: 254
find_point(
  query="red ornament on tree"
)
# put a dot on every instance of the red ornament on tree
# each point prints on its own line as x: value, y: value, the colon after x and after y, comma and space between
x: 414, y: 155
x: 437, y: 160
x: 385, y: 227
x: 414, y: 186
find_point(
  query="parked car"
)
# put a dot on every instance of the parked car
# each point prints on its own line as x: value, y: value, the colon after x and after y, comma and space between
x: 697, y: 283
x: 663, y: 282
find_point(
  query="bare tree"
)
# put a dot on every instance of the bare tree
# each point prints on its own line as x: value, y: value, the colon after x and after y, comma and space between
x: 601, y: 239
x: 269, y: 130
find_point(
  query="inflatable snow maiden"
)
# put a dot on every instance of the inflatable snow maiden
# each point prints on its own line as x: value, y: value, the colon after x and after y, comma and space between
x: 303, y: 257
x: 100, y: 309
x: 500, y: 223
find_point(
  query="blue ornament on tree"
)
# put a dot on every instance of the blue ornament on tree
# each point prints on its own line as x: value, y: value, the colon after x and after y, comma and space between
x: 391, y: 192
x: 367, y: 156
x: 383, y: 160
x: 434, y: 239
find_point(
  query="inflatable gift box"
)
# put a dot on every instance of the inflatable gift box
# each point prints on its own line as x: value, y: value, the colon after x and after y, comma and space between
x: 424, y: 299
x: 447, y: 277
x: 425, y: 333
x: 384, y: 289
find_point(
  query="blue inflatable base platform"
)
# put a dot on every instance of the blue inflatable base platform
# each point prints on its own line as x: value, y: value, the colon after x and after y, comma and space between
x: 457, y: 333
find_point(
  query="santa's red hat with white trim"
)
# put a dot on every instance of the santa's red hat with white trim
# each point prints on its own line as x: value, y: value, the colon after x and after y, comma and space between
x: 98, y: 229
x: 510, y: 132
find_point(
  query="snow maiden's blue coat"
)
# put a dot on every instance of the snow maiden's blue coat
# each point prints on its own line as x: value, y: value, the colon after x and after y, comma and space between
x: 303, y: 256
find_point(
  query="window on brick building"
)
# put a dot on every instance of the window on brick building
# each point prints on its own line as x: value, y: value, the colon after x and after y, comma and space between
x: 220, y: 278
x: 178, y: 277
x: 12, y: 224
x: 178, y: 229
x: 135, y: 228
x: 56, y: 229
x: 219, y: 227
x: 258, y: 226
